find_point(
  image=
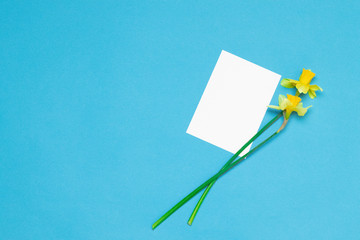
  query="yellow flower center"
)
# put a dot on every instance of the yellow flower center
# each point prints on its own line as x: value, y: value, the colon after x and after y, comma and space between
x: 306, y: 76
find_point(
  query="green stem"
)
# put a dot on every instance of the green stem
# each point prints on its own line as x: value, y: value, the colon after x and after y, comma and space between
x: 202, y: 198
x: 243, y: 157
x: 207, y: 182
x: 198, y: 205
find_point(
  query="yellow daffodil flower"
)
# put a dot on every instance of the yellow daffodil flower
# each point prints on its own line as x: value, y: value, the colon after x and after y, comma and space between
x: 303, y: 85
x: 289, y: 105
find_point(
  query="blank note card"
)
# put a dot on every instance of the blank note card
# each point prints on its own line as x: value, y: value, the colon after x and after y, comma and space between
x: 234, y: 103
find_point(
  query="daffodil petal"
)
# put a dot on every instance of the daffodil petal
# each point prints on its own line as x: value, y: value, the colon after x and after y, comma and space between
x: 281, y: 98
x: 312, y: 94
x: 315, y: 88
x: 300, y: 109
x: 285, y: 103
x: 293, y: 81
x: 302, y: 88
x: 274, y: 107
x: 286, y: 82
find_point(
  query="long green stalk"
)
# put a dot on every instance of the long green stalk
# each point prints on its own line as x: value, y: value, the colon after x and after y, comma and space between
x: 207, y: 182
x: 202, y: 198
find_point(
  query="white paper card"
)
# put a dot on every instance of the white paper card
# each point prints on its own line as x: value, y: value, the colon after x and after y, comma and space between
x: 234, y: 103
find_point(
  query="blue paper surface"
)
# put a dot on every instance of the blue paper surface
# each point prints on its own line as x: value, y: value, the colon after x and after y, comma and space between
x: 96, y: 96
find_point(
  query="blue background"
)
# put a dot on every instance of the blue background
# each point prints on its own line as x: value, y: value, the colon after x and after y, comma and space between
x: 96, y: 96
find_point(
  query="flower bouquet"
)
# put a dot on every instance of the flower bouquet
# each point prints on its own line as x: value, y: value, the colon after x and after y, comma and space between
x: 287, y: 105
